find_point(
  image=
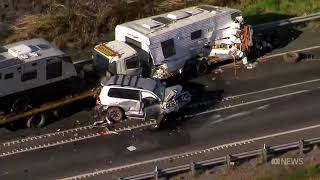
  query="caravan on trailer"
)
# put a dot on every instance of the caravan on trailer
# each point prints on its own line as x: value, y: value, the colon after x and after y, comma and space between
x: 26, y: 66
x: 164, y: 45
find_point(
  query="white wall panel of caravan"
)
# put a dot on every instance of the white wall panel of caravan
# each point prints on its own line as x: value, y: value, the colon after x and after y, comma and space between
x: 171, y: 39
x: 30, y: 64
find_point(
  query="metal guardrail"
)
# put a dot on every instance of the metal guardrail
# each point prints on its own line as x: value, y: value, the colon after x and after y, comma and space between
x: 226, y: 160
x: 287, y: 21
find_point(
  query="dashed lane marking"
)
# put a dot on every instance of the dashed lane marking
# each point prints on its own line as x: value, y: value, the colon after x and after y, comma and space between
x: 247, y: 103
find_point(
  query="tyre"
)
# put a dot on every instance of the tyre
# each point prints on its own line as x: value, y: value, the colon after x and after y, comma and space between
x: 36, y: 121
x: 21, y: 105
x: 202, y: 68
x: 115, y: 114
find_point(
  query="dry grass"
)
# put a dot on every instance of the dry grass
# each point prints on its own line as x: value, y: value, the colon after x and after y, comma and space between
x: 75, y: 28
x: 82, y: 24
x: 253, y: 169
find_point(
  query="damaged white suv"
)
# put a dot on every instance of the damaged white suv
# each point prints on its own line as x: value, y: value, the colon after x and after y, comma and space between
x: 124, y: 96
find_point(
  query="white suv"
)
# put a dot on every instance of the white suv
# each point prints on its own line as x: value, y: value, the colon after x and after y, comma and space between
x: 125, y: 96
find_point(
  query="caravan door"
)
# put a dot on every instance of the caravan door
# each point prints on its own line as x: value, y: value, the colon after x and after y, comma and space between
x: 30, y: 75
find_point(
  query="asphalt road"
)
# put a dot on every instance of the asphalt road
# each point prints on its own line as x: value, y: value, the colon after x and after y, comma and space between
x: 290, y: 102
x: 271, y: 98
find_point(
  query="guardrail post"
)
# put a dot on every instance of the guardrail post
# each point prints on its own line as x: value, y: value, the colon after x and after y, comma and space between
x: 301, y: 146
x: 156, y: 173
x: 193, y: 168
x: 265, y: 153
x: 230, y: 163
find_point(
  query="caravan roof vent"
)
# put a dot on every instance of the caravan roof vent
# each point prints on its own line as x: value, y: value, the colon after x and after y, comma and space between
x: 151, y: 24
x: 178, y: 15
x: 162, y: 20
x: 193, y: 11
x: 212, y: 9
x: 20, y: 50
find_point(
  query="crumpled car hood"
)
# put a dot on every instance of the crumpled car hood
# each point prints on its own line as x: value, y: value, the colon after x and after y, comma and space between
x: 175, y: 98
x: 172, y: 92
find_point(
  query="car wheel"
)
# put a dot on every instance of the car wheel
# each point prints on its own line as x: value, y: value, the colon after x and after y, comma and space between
x: 202, y: 68
x: 115, y: 114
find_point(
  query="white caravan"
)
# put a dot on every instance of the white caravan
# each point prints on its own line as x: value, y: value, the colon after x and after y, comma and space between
x: 163, y: 45
x: 30, y: 64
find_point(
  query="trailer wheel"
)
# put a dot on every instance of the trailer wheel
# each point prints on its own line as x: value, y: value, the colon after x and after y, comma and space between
x: 202, y: 68
x: 291, y: 57
x: 115, y: 114
x: 21, y: 105
x: 36, y: 121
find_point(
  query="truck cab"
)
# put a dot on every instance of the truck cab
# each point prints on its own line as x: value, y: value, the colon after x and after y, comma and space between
x: 117, y: 57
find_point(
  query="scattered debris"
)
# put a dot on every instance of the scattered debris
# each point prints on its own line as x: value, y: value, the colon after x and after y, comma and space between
x: 218, y: 71
x: 250, y: 66
x: 131, y: 148
x: 291, y: 57
x: 217, y: 116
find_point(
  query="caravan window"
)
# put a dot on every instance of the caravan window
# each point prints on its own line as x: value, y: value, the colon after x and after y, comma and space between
x: 196, y: 34
x: 168, y: 48
x: 29, y: 75
x: 3, y: 49
x: 132, y: 63
x: 133, y: 42
x: 54, y: 70
x: 8, y: 76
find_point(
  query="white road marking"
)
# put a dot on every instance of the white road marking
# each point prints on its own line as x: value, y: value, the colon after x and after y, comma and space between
x: 281, y: 54
x: 263, y: 107
x: 272, y: 89
x: 175, y: 156
x: 231, y: 117
x: 239, y: 114
x: 45, y: 135
x: 247, y: 103
x: 66, y: 141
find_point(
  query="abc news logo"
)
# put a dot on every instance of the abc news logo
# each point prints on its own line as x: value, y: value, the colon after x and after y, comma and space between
x: 287, y: 161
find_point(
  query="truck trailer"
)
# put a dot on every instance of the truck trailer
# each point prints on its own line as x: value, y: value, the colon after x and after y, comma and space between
x: 165, y: 45
x: 35, y: 79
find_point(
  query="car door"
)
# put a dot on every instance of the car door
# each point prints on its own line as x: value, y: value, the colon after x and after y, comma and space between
x: 151, y: 105
x: 127, y: 99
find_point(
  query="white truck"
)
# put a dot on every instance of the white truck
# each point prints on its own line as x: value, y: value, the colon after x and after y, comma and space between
x: 165, y: 45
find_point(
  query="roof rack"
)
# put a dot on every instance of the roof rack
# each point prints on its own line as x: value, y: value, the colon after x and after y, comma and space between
x: 124, y: 80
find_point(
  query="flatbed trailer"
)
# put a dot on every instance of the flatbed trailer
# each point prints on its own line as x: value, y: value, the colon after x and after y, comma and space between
x: 37, y: 116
